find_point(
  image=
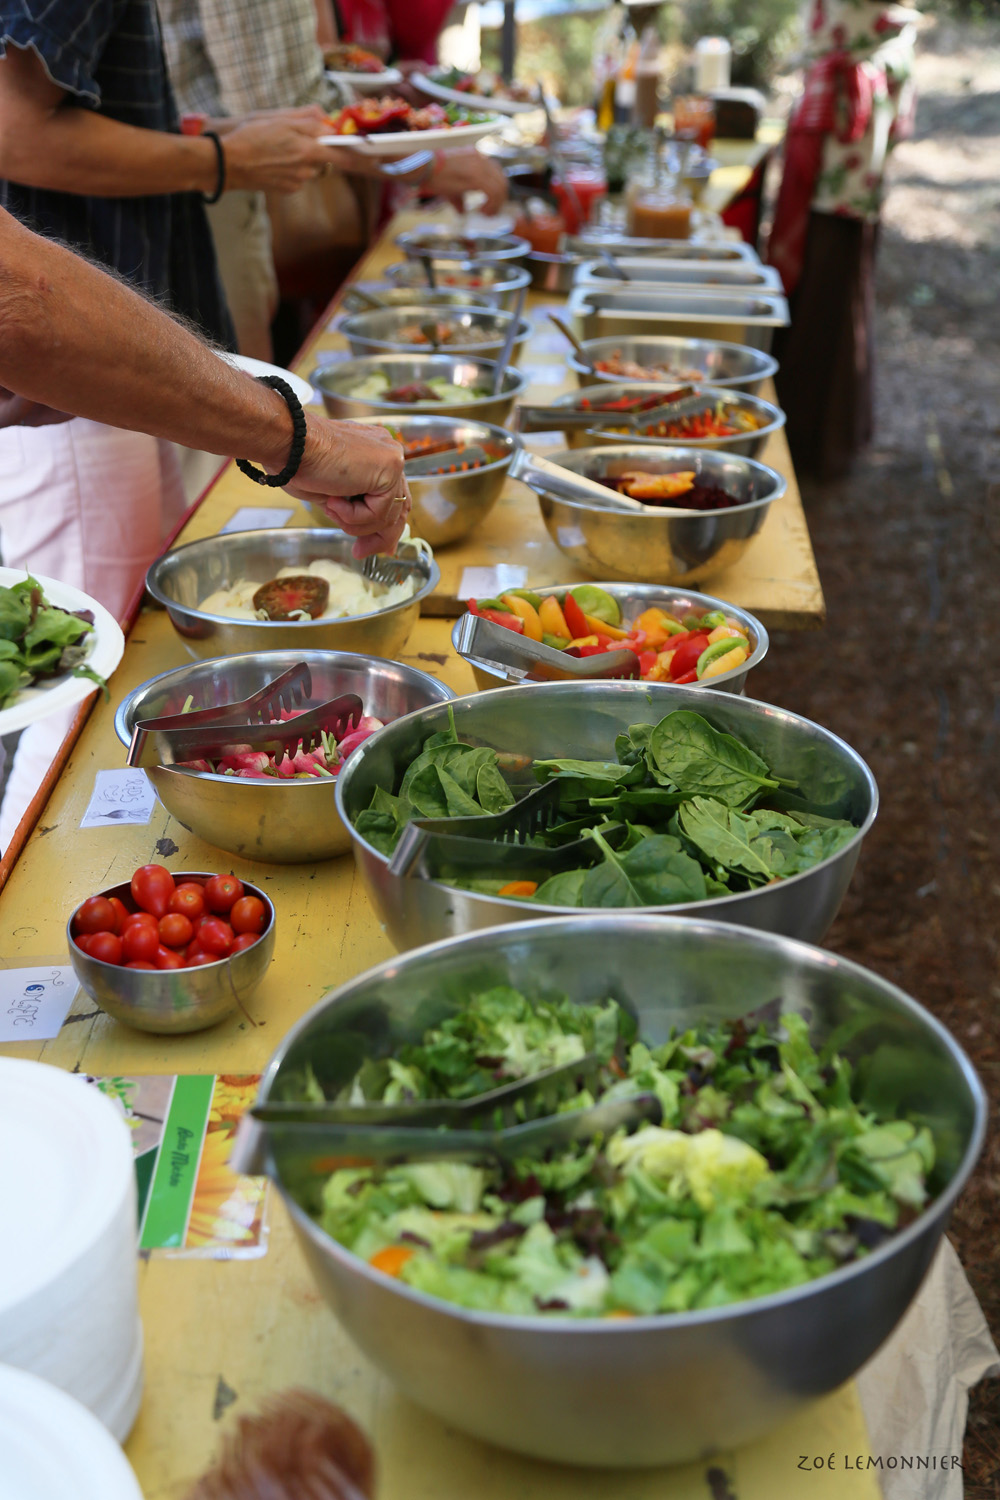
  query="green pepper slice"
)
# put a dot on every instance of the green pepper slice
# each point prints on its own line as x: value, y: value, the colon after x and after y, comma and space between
x: 717, y: 648
x: 597, y: 603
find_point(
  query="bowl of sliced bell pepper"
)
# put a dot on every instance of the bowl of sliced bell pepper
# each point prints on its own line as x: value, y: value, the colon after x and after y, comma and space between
x: 679, y: 636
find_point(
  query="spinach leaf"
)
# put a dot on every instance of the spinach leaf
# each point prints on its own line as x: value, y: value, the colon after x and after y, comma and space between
x: 701, y: 762
x: 15, y: 613
x: 491, y: 789
x: 649, y: 801
x: 655, y: 872
x: 383, y: 820
x: 435, y: 793
x: 725, y: 835
x: 441, y: 754
x: 12, y: 680
x: 596, y: 777
x: 562, y: 889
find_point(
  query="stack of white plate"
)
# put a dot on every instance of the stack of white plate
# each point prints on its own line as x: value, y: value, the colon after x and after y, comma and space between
x: 51, y: 1446
x: 69, y: 1308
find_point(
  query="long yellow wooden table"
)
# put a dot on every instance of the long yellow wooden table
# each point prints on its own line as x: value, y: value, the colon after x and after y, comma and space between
x: 220, y: 1335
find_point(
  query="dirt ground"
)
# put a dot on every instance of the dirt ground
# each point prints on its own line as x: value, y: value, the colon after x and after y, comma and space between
x: 908, y: 668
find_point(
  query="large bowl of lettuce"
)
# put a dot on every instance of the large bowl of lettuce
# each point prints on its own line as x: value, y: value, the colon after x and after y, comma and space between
x: 668, y: 1290
x: 715, y: 805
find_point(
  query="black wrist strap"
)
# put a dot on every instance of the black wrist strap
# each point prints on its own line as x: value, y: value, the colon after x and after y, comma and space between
x: 220, y: 157
x: 275, y: 481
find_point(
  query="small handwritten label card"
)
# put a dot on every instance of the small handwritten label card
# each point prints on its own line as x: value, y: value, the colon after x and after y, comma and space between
x: 254, y: 517
x: 34, y: 1002
x: 122, y: 796
x: 490, y: 583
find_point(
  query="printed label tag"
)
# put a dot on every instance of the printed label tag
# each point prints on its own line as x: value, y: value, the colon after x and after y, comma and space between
x: 34, y: 1002
x: 490, y: 583
x: 254, y: 517
x: 122, y: 796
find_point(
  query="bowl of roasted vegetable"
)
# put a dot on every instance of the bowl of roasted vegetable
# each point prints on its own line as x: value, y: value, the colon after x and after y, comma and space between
x: 703, y: 509
x: 694, y: 1177
x: 695, y: 416
x: 675, y: 635
x: 642, y: 794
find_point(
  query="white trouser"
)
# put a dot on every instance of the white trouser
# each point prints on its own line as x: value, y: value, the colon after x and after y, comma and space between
x: 241, y: 230
x: 89, y: 505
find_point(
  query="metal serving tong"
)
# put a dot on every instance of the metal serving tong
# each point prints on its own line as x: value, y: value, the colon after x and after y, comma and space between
x: 494, y: 646
x: 499, y: 844
x: 429, y: 463
x: 549, y: 479
x: 208, y: 733
x: 363, y: 1144
x: 643, y: 414
x: 539, y: 1093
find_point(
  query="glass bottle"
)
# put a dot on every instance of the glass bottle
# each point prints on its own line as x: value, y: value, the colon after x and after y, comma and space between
x: 657, y: 205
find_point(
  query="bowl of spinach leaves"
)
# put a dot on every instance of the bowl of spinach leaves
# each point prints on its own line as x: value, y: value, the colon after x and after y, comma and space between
x: 669, y: 799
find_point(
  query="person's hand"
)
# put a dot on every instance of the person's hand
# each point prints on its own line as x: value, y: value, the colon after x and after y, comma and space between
x: 459, y: 172
x: 18, y: 411
x: 277, y: 152
x: 355, y: 473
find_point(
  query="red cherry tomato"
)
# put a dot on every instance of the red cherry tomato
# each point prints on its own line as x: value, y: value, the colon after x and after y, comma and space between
x: 199, y: 958
x: 121, y: 912
x: 216, y: 937
x: 152, y: 888
x: 107, y: 947
x: 140, y: 942
x: 222, y: 892
x: 249, y: 915
x: 95, y: 915
x: 166, y: 958
x: 83, y: 940
x: 189, y: 900
x: 245, y: 940
x: 139, y: 919
x: 140, y: 963
x: 176, y: 930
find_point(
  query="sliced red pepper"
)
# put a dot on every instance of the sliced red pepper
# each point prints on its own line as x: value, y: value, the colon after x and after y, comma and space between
x: 686, y: 655
x: 647, y: 661
x: 575, y: 617
x: 505, y: 617
x: 691, y: 676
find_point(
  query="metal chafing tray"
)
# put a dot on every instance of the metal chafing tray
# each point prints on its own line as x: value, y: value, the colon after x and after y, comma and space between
x: 704, y: 275
x: 749, y: 318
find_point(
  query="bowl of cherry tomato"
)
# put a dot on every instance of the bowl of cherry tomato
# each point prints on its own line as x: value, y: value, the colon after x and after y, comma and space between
x: 678, y: 636
x: 169, y: 952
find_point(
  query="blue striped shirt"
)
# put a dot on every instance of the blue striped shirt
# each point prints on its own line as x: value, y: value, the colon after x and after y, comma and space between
x: 108, y: 56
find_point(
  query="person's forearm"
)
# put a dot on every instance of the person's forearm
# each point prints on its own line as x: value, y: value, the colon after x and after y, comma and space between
x: 71, y: 150
x: 76, y: 339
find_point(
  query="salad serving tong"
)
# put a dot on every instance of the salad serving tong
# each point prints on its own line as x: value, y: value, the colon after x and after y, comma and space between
x: 208, y: 733
x: 520, y: 658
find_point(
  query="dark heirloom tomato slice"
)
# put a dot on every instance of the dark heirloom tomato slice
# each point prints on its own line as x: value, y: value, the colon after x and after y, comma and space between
x: 282, y: 598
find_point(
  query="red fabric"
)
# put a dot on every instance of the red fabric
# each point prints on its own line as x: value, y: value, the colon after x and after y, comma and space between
x: 408, y: 28
x: 744, y: 211
x: 837, y: 100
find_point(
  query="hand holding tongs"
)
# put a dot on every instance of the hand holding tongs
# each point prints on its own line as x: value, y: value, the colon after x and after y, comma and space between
x: 480, y: 640
x: 210, y: 733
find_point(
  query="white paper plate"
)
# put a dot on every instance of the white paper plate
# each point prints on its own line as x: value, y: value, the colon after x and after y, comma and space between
x: 366, y: 83
x: 404, y: 142
x: 65, y: 1168
x: 37, y: 702
x: 301, y: 387
x: 52, y: 1446
x: 445, y: 95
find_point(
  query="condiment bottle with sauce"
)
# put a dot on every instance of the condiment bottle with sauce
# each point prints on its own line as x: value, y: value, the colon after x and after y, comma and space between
x: 657, y: 206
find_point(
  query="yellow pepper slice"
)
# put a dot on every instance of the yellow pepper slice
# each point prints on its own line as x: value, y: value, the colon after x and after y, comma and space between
x: 726, y: 663
x: 528, y: 613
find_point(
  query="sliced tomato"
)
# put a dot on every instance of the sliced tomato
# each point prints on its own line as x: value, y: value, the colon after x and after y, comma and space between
x: 575, y: 617
x: 687, y: 653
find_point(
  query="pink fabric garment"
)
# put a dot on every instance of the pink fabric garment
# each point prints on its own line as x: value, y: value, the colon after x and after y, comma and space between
x: 89, y: 505
x: 408, y: 28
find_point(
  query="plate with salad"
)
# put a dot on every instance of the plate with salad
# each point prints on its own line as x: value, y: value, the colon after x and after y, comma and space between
x: 479, y: 90
x: 389, y: 126
x: 57, y: 645
x: 355, y: 67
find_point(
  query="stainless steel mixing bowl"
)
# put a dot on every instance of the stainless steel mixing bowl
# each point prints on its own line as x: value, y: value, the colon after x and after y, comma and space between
x: 336, y: 381
x: 284, y: 822
x: 718, y: 363
x: 183, y: 577
x: 406, y: 296
x: 172, y: 1001
x: 582, y: 720
x: 664, y: 548
x: 484, y: 330
x: 500, y: 282
x: 667, y: 1388
x: 747, y: 444
x: 438, y: 240
x: 449, y: 506
x: 632, y: 599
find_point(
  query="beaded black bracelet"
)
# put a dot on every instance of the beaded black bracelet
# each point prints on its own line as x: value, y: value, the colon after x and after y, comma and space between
x: 220, y: 157
x: 275, y: 481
